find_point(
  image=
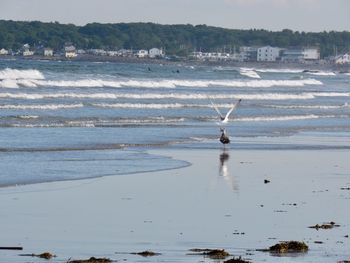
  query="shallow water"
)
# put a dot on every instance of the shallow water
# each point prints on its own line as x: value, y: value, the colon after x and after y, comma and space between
x: 58, y: 110
x: 220, y: 201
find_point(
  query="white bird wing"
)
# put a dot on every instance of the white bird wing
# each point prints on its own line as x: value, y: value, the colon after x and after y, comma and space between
x: 216, y: 109
x: 231, y: 110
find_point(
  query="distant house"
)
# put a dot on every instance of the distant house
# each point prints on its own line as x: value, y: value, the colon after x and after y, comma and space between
x: 268, y: 53
x: 248, y: 53
x: 48, y: 52
x: 292, y: 55
x: 155, y: 53
x: 4, y: 51
x: 141, y: 53
x: 26, y: 50
x: 342, y: 59
x: 125, y: 53
x: 27, y: 53
x: 70, y: 51
x: 300, y: 54
x: 311, y: 53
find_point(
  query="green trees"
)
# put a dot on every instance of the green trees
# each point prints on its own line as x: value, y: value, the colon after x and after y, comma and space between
x: 175, y: 39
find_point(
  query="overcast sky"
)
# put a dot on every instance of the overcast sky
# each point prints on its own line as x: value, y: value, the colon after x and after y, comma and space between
x: 301, y: 15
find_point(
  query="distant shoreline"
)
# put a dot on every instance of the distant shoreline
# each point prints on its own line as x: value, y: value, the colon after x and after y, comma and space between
x: 319, y: 65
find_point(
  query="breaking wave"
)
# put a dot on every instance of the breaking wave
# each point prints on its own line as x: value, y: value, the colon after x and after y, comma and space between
x: 322, y: 73
x: 279, y: 70
x: 41, y: 107
x: 281, y: 118
x: 90, y: 83
x: 249, y: 73
x: 196, y: 96
x: 20, y: 74
x: 321, y: 107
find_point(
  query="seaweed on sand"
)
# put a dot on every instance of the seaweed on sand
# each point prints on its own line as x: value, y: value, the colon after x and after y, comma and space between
x: 146, y: 253
x: 329, y: 225
x: 45, y: 255
x: 210, y: 253
x: 236, y: 260
x: 289, y: 247
x: 91, y: 260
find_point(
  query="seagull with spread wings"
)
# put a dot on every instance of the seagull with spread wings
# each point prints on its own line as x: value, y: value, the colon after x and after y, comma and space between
x: 225, y: 119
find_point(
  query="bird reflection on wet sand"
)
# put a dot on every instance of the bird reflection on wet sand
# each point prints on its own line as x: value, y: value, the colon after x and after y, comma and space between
x: 224, y: 171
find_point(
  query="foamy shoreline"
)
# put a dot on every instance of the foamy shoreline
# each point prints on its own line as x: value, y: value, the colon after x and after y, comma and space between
x: 217, y: 202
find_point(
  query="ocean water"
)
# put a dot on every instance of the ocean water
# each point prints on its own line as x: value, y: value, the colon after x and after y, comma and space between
x: 65, y: 120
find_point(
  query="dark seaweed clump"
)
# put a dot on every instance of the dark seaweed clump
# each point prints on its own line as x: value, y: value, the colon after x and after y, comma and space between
x: 211, y: 253
x: 146, y: 253
x: 329, y: 225
x: 91, y: 260
x: 289, y: 247
x: 45, y: 255
x: 236, y: 260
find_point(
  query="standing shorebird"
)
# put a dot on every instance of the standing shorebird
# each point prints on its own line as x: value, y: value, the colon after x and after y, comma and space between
x: 224, y: 138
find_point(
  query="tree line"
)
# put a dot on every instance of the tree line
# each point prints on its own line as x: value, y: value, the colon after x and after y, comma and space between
x: 175, y: 39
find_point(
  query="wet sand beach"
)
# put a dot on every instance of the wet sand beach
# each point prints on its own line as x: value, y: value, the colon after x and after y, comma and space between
x: 237, y: 200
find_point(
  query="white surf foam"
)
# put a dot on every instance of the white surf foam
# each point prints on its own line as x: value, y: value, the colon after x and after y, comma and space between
x: 89, y: 83
x: 41, y: 107
x: 280, y: 118
x: 9, y: 73
x: 322, y: 73
x: 196, y: 96
x: 249, y: 73
x: 321, y: 107
x: 279, y: 70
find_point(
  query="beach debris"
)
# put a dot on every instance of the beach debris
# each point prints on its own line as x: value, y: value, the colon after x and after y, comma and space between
x: 236, y: 260
x: 11, y: 248
x: 329, y: 225
x: 287, y: 247
x: 266, y: 181
x: 45, y: 255
x: 210, y: 253
x: 318, y: 242
x: 146, y: 253
x: 345, y: 188
x: 344, y: 261
x: 90, y: 260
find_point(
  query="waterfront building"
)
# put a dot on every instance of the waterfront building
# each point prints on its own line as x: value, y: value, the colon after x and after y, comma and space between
x: 4, y: 51
x: 70, y: 51
x: 142, y: 53
x: 48, y: 52
x: 342, y: 59
x: 155, y: 53
x: 268, y: 53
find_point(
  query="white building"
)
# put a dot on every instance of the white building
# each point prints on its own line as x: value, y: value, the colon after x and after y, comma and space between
x: 247, y: 53
x: 48, y: 52
x: 268, y: 53
x: 342, y: 59
x: 155, y: 53
x: 27, y: 53
x: 311, y: 53
x: 70, y: 51
x: 142, y: 53
x: 26, y: 50
x: 125, y: 52
x: 300, y: 54
x: 4, y: 51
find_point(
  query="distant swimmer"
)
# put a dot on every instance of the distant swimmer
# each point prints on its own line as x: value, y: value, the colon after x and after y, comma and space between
x: 226, y: 118
x: 224, y: 139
